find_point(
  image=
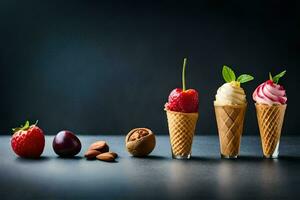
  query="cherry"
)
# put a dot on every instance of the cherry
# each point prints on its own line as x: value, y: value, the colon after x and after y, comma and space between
x: 66, y: 144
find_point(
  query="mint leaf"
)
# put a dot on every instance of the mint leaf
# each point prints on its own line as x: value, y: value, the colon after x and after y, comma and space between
x: 278, y: 76
x: 228, y: 74
x: 245, y: 78
x: 270, y: 76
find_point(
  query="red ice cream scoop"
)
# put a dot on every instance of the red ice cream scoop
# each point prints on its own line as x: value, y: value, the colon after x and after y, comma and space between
x: 182, y: 100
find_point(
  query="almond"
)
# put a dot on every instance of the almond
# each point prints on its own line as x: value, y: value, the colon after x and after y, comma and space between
x: 108, y: 157
x: 99, y: 146
x: 91, y: 154
x: 114, y: 154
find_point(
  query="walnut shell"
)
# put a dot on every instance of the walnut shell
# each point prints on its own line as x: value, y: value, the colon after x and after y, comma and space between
x: 141, y: 145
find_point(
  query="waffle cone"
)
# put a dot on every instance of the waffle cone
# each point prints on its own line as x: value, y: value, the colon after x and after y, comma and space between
x: 230, y: 122
x: 181, y: 129
x: 270, y: 120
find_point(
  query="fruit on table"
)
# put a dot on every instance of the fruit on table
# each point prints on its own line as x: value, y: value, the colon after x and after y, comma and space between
x: 183, y: 100
x: 140, y: 142
x: 28, y: 141
x: 66, y: 144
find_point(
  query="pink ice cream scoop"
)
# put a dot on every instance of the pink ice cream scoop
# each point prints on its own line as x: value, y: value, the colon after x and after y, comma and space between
x: 269, y: 93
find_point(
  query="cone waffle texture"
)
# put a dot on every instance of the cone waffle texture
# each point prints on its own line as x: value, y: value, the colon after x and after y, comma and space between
x: 270, y: 120
x: 230, y: 122
x: 181, y: 129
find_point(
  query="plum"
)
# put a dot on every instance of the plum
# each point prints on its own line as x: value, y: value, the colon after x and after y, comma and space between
x: 66, y: 144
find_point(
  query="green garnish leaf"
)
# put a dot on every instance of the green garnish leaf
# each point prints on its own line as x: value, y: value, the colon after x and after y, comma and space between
x: 244, y: 78
x: 228, y: 74
x: 278, y: 76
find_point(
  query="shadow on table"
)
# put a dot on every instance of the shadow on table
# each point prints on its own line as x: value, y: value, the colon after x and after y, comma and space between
x: 69, y: 158
x: 205, y: 159
x: 223, y: 160
x: 289, y: 158
x: 250, y: 158
x: 294, y: 159
x: 27, y: 160
x: 150, y: 157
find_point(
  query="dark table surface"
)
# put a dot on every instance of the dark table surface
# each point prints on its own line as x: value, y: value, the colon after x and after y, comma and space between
x: 205, y: 176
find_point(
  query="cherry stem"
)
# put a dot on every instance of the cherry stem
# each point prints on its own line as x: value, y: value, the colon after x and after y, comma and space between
x: 183, y: 74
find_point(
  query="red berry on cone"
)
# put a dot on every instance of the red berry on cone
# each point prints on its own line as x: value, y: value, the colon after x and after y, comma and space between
x: 182, y: 100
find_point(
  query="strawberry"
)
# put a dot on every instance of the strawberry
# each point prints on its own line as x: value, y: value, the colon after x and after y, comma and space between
x: 28, y: 141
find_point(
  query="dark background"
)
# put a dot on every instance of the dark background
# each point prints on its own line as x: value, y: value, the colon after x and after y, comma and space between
x: 104, y: 67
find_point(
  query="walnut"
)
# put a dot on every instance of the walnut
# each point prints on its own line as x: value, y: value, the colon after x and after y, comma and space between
x: 137, y: 134
x: 140, y: 142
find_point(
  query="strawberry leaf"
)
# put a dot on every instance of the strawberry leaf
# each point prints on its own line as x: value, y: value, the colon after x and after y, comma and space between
x: 245, y: 78
x: 228, y: 74
x: 15, y: 129
x: 23, y: 128
x: 26, y: 125
x: 278, y: 76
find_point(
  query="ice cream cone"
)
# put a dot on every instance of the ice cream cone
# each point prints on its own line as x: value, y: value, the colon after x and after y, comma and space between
x: 230, y: 122
x: 181, y: 129
x: 270, y: 120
